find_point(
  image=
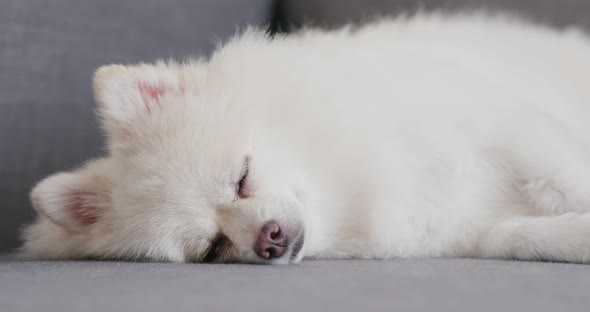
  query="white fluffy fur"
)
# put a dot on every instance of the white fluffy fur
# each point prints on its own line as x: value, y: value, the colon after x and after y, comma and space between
x: 430, y: 136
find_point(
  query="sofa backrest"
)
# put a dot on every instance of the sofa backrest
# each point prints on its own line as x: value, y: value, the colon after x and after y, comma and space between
x: 332, y: 13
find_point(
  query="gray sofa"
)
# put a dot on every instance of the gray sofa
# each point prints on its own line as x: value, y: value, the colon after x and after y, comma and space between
x: 48, y: 51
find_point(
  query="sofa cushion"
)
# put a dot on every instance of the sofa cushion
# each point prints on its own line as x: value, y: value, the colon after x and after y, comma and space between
x: 402, y: 285
x: 48, y: 52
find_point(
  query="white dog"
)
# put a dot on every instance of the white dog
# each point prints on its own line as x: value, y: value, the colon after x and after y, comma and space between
x: 430, y: 136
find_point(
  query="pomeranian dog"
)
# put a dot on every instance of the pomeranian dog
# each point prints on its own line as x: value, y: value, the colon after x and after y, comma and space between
x: 426, y: 136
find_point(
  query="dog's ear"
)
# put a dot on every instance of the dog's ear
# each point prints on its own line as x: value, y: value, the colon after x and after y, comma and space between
x: 75, y: 200
x: 126, y: 95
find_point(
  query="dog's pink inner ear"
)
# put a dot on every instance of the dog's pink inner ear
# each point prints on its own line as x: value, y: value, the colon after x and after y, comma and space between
x: 80, y: 208
x: 150, y: 94
x: 73, y: 210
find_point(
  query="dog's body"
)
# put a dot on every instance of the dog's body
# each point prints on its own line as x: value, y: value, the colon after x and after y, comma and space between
x: 422, y: 137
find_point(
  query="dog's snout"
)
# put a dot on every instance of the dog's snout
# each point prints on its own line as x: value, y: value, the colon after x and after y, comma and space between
x: 271, y: 241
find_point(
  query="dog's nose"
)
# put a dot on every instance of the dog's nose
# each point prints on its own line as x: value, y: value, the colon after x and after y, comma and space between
x: 271, y: 242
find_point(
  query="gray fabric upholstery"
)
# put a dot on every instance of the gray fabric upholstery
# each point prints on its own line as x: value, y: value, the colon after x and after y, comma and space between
x: 404, y: 285
x: 48, y: 52
x: 332, y: 13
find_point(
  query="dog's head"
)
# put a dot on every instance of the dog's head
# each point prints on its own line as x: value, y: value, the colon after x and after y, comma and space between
x: 186, y: 178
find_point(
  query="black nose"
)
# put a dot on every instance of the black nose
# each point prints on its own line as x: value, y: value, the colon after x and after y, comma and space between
x: 271, y: 242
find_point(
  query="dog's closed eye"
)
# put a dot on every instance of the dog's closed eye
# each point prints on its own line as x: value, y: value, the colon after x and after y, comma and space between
x: 243, y: 189
x: 217, y: 249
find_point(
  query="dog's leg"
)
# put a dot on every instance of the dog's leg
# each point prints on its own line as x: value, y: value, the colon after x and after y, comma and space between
x: 563, y: 238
